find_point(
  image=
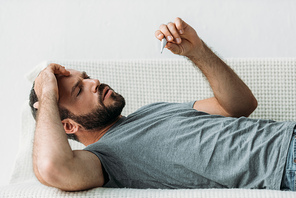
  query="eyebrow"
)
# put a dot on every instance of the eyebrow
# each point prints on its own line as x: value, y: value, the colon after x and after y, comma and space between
x: 79, y: 81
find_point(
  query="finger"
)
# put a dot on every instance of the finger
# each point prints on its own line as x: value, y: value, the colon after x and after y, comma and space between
x: 180, y: 24
x: 173, y: 30
x: 174, y: 48
x: 159, y: 35
x: 61, y: 70
x: 58, y: 69
x: 64, y: 71
x: 164, y: 29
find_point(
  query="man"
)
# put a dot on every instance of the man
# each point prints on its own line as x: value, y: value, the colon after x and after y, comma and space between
x: 203, y: 144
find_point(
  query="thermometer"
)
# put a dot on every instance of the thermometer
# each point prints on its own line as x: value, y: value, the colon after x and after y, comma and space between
x: 162, y: 44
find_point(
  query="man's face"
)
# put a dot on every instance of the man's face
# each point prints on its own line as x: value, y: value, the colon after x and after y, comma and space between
x: 92, y: 104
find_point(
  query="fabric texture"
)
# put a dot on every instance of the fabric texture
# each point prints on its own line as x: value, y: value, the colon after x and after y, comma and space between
x: 288, y: 182
x: 142, y: 82
x: 171, y: 145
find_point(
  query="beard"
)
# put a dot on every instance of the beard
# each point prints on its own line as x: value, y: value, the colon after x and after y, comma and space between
x: 102, y: 115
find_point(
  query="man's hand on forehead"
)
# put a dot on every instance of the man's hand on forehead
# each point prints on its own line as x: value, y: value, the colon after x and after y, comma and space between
x: 46, y: 82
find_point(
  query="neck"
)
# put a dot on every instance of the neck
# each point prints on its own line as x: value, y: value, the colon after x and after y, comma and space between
x: 88, y: 137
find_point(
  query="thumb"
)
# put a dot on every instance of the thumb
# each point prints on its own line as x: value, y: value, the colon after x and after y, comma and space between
x: 174, y: 48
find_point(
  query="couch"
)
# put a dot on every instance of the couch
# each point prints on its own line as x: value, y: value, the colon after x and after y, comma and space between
x: 272, y: 80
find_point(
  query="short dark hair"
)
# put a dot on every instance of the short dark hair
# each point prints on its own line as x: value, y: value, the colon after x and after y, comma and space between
x: 64, y: 113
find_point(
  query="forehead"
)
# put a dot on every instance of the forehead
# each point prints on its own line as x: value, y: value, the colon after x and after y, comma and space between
x: 65, y: 83
x: 74, y: 74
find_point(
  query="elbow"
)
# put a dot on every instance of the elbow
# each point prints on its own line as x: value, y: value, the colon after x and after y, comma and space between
x: 48, y: 173
x: 51, y: 174
x: 255, y: 104
x: 247, y: 109
x: 252, y: 106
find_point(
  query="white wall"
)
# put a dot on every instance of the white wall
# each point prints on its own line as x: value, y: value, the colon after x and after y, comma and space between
x: 32, y: 31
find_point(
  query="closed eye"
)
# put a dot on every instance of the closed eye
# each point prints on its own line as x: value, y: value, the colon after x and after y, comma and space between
x: 79, y: 90
x: 79, y: 84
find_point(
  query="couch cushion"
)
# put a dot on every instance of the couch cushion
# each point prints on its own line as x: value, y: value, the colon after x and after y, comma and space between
x: 176, y: 80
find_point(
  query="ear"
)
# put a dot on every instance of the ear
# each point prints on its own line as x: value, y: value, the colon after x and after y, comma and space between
x: 36, y: 105
x: 70, y: 126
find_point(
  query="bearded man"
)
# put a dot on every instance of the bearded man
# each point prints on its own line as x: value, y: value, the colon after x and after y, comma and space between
x: 207, y: 143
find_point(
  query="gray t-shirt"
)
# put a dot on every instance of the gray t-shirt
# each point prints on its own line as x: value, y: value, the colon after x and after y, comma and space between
x: 171, y: 145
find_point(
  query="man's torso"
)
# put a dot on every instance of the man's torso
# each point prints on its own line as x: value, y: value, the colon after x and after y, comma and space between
x: 168, y: 145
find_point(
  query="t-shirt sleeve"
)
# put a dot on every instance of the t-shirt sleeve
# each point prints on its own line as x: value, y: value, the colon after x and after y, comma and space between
x: 190, y: 104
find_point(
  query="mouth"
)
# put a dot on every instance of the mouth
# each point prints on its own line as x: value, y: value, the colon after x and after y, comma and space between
x: 106, y: 93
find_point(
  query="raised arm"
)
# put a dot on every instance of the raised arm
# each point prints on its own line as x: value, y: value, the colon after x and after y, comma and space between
x: 54, y: 162
x: 232, y: 97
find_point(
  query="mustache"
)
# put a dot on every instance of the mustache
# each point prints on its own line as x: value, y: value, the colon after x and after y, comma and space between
x: 100, y: 89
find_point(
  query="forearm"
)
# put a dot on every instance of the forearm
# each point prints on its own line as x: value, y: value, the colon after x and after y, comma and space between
x: 231, y: 92
x: 51, y: 146
x: 232, y: 96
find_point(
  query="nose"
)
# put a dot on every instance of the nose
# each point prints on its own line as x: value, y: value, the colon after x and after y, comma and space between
x: 94, y: 84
